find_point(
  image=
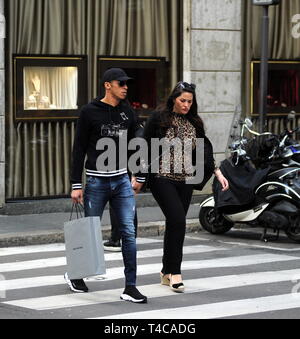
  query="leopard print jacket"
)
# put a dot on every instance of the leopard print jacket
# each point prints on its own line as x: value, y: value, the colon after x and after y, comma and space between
x: 176, y: 167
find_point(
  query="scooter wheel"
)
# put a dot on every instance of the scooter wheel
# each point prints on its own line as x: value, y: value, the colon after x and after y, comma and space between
x: 208, y: 221
x: 293, y: 234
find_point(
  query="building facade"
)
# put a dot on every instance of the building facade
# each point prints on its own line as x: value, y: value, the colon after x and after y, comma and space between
x: 210, y: 57
x: 2, y: 105
x: 214, y: 44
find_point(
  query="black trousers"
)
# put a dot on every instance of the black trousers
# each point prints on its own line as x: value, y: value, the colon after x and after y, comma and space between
x: 115, y: 232
x: 174, y: 198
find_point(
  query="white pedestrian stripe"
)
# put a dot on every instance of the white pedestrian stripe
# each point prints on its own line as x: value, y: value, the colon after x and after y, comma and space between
x: 27, y: 277
x: 61, y: 261
x: 19, y: 284
x: 146, y: 241
x: 118, y: 272
x: 220, y: 310
x: 157, y: 291
x: 159, y: 252
x: 32, y: 264
x: 32, y: 249
x: 55, y: 248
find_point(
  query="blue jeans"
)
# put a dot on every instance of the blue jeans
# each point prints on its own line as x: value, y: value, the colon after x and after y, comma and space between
x: 119, y: 193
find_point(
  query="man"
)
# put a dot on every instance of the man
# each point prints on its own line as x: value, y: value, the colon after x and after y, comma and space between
x: 105, y: 119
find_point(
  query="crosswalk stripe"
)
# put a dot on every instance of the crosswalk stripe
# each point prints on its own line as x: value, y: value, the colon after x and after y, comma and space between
x: 118, y: 272
x: 221, y: 309
x: 112, y: 274
x: 146, y: 241
x: 61, y: 261
x: 32, y: 264
x: 31, y: 249
x: 19, y: 284
x: 247, y: 260
x: 56, y: 247
x: 159, y: 252
x: 157, y: 291
x: 152, y: 267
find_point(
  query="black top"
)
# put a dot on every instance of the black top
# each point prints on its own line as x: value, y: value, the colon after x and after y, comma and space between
x: 98, y: 120
x: 153, y: 129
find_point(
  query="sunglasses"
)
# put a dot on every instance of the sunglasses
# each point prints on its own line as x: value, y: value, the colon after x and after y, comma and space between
x: 122, y: 83
x: 185, y: 85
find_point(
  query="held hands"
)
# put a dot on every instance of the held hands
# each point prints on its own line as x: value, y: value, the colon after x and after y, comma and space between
x: 136, y: 186
x: 77, y: 195
x: 223, y: 181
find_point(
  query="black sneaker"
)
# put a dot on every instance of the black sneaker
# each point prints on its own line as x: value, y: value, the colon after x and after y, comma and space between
x: 77, y: 286
x: 112, y: 246
x: 132, y: 294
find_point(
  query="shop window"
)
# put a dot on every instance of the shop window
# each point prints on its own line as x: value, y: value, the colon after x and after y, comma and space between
x: 150, y: 86
x: 47, y: 87
x: 283, y: 87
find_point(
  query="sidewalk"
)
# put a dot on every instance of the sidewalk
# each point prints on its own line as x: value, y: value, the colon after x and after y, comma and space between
x: 45, y: 228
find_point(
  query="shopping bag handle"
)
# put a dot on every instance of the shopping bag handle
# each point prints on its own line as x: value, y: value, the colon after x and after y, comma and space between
x: 79, y: 210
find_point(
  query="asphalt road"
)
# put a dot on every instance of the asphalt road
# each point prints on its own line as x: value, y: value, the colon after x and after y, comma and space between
x: 232, y: 276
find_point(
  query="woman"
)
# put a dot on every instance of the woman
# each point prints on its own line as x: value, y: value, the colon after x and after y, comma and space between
x: 171, y: 189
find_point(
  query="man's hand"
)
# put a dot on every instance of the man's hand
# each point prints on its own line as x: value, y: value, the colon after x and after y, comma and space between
x: 136, y: 186
x: 77, y: 196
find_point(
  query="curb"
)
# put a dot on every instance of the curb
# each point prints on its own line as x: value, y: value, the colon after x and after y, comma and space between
x: 64, y: 205
x: 150, y: 229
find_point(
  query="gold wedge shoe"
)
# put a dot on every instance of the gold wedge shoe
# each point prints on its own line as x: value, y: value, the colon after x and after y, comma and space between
x: 165, y: 281
x: 178, y: 288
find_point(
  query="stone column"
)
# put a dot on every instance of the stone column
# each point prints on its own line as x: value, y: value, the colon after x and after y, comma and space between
x: 214, y: 60
x: 2, y: 105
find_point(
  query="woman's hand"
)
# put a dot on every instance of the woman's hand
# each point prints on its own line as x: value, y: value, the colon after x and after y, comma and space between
x: 136, y: 186
x: 222, y: 180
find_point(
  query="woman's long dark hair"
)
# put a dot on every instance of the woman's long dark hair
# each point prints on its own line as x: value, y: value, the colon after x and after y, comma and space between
x: 167, y: 109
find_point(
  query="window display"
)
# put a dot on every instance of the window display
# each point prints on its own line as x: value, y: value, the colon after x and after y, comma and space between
x: 283, y: 87
x: 151, y: 81
x: 43, y: 88
x: 47, y: 87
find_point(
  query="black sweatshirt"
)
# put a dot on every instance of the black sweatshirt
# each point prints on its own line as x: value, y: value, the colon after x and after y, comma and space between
x: 96, y: 121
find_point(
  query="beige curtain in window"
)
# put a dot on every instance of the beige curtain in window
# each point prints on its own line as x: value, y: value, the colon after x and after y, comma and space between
x: 50, y: 87
x: 283, y: 44
x: 39, y: 154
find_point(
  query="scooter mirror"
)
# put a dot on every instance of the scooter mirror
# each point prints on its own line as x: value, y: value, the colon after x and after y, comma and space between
x: 248, y: 123
x: 291, y: 116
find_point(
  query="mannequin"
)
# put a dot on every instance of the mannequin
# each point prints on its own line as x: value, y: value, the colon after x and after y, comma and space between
x: 36, y: 83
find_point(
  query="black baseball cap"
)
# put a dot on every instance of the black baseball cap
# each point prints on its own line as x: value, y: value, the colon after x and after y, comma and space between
x: 115, y: 74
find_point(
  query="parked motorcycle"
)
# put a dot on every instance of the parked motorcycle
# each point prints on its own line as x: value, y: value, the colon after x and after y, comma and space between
x: 264, y: 175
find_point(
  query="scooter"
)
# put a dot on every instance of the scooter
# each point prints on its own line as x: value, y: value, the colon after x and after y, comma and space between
x: 276, y: 203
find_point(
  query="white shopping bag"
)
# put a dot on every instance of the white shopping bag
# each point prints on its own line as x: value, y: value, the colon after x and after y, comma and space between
x: 84, y: 248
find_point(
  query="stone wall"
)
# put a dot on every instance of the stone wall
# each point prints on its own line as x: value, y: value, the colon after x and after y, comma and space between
x: 212, y: 60
x: 2, y: 105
